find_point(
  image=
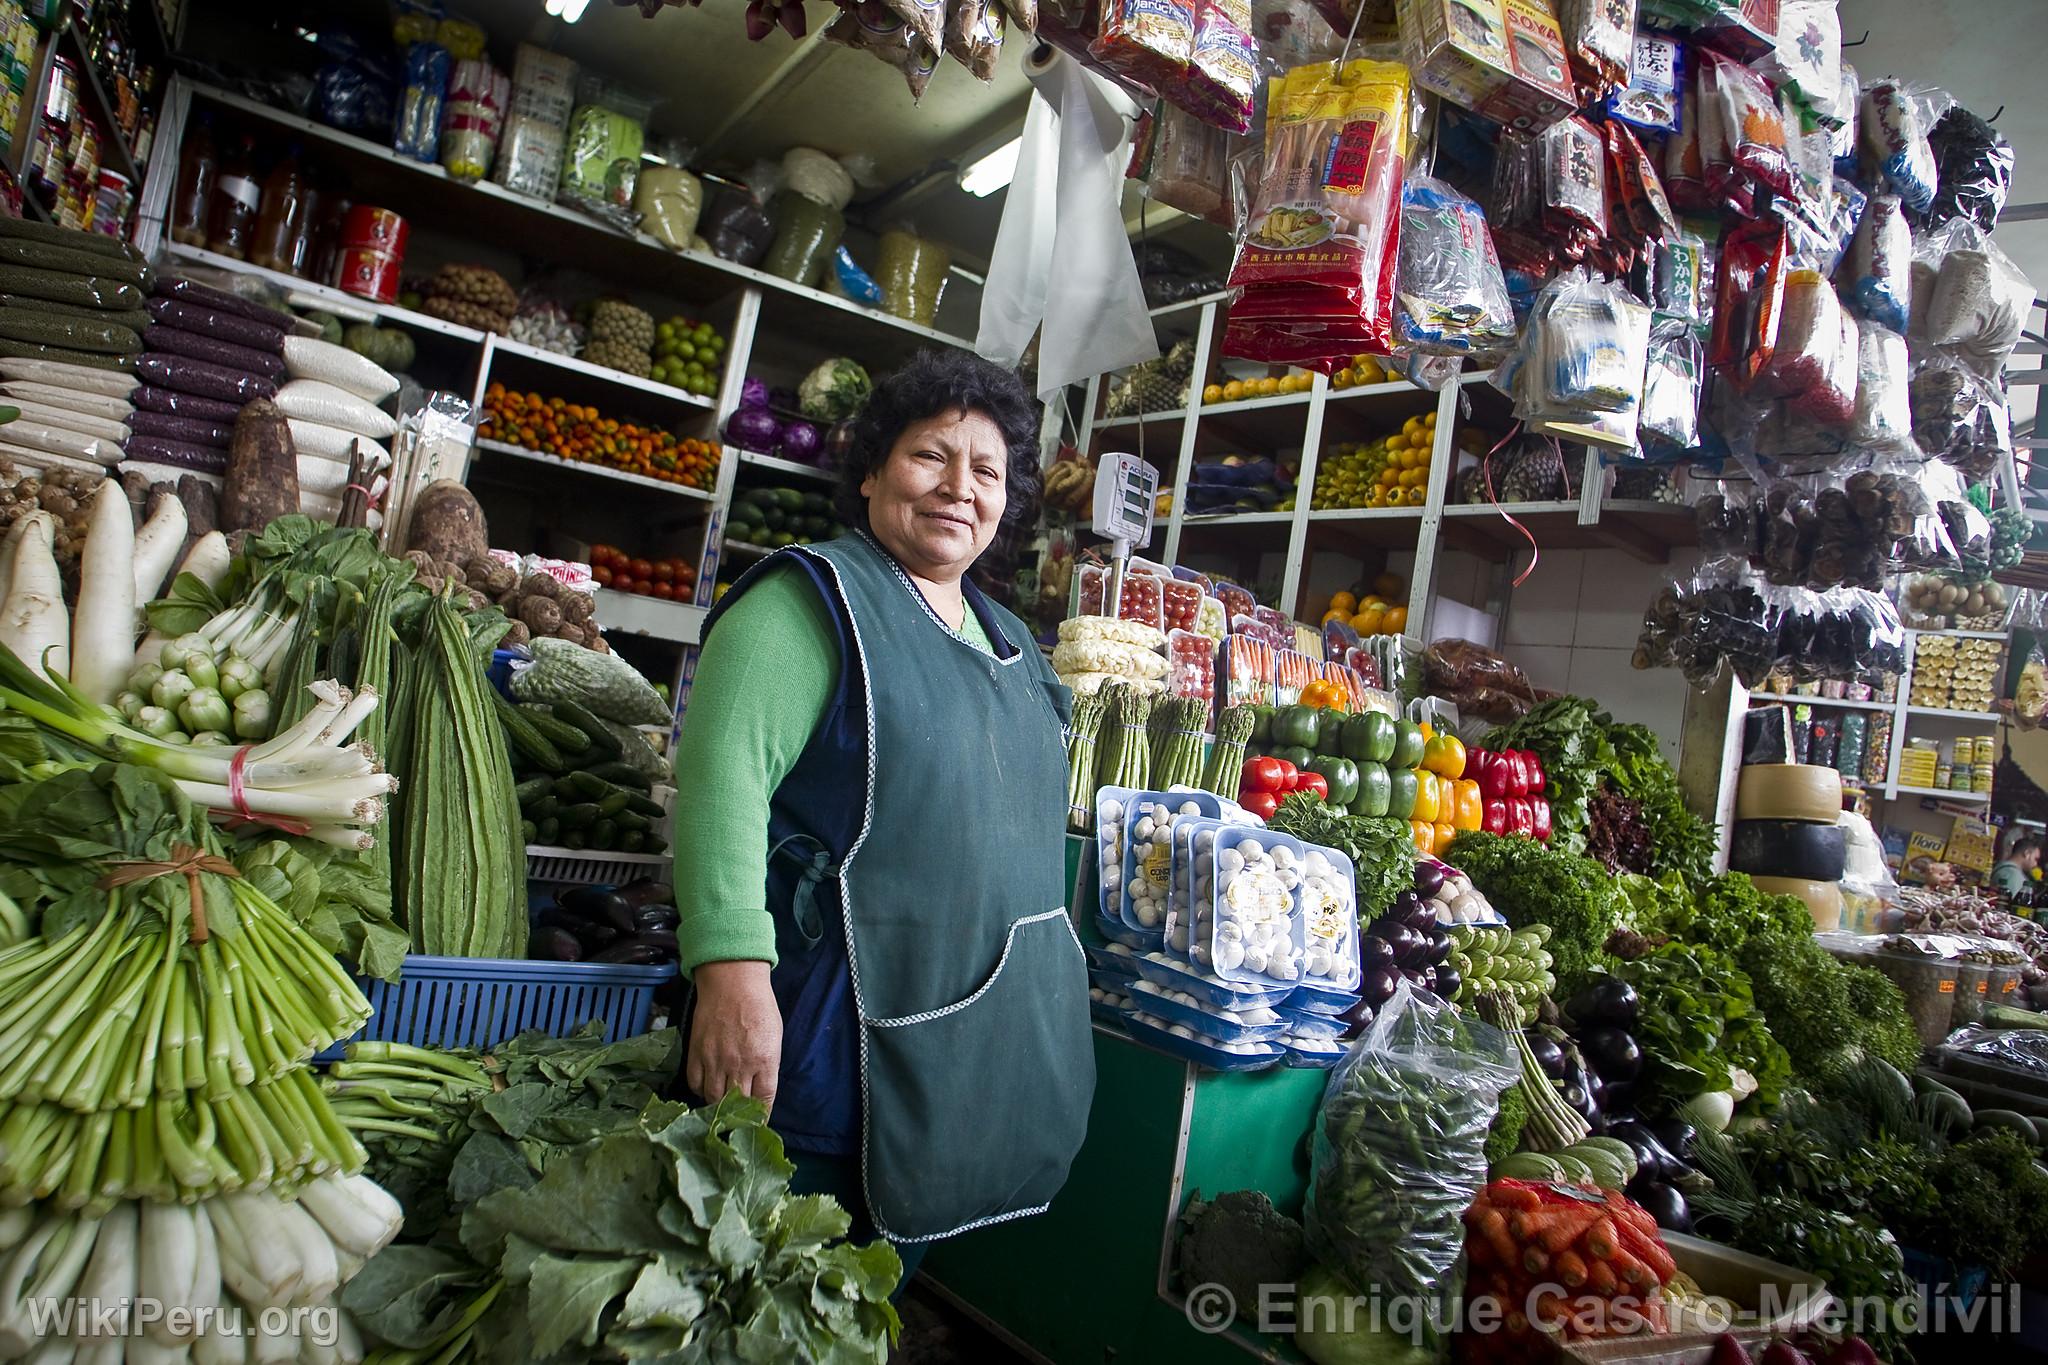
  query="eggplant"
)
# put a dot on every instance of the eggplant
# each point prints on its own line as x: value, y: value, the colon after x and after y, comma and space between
x: 552, y: 944
x: 1429, y: 879
x: 1379, y: 985
x: 1375, y: 952
x: 1612, y: 1054
x: 1423, y: 918
x: 1404, y: 905
x: 1548, y: 1054
x: 655, y: 917
x: 1386, y: 928
x: 1448, y: 981
x: 1663, y: 1202
x: 1678, y: 1137
x: 1439, y: 950
x: 598, y: 907
x: 1653, y: 1159
x: 648, y: 893
x: 660, y: 938
x: 1610, y: 1000
x: 634, y: 952
x: 1407, y: 944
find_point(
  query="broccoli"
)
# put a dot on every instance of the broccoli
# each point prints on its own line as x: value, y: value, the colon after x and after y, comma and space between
x: 1506, y: 1134
x: 1240, y: 1241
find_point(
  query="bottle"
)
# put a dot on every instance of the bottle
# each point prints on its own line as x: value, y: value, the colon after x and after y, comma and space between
x: 236, y: 197
x: 284, y: 209
x: 197, y: 165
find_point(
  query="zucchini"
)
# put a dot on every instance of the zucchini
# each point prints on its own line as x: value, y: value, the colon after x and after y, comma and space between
x: 632, y: 841
x: 2005, y: 1016
x: 578, y: 817
x: 66, y: 260
x: 2006, y: 1118
x: 550, y: 829
x: 532, y: 790
x: 601, y: 740
x: 62, y: 288
x: 560, y: 733
x: 1527, y: 1166
x: 632, y: 819
x: 604, y: 834
x: 48, y: 329
x: 620, y: 773
x: 1950, y: 1110
x: 612, y: 804
x: 544, y: 807
x: 525, y: 737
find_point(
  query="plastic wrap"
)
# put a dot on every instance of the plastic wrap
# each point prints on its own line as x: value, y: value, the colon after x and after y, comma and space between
x: 806, y: 234
x: 1959, y: 415
x: 602, y: 158
x: 911, y: 271
x: 669, y: 201
x: 875, y: 28
x: 1975, y: 166
x: 1884, y: 413
x: 1223, y: 71
x: 1572, y: 155
x: 974, y: 38
x: 1920, y: 532
x: 1451, y: 297
x: 1651, y: 100
x: 1398, y: 1154
x: 736, y: 225
x: 1668, y: 415
x: 1147, y: 41
x: 1589, y: 342
x: 478, y: 97
x: 1479, y: 681
x: 1879, y: 269
x: 416, y: 131
x: 1185, y: 168
x: 1979, y: 301
x: 1723, y: 614
x: 1842, y: 139
x: 1807, y: 64
x: 1892, y: 125
x: 530, y: 156
x: 1741, y: 129
x: 1750, y: 293
x: 1831, y: 398
x: 1599, y: 38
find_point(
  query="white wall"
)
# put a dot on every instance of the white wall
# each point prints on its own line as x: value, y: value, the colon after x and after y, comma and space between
x: 1573, y: 625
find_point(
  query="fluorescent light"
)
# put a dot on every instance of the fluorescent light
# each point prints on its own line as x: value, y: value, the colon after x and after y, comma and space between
x: 987, y: 174
x: 572, y: 10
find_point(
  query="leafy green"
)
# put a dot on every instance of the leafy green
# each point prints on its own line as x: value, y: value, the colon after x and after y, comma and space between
x: 1505, y: 1136
x: 1536, y: 883
x: 1681, y: 842
x: 336, y: 896
x: 1697, y: 1019
x: 1987, y: 1193
x: 1240, y: 1241
x: 1382, y: 851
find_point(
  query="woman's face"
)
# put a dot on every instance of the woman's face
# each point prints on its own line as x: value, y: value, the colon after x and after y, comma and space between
x: 937, y: 498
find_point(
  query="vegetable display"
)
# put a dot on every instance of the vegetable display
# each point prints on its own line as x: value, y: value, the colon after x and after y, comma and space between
x: 774, y: 517
x: 576, y: 431
x: 1529, y: 1241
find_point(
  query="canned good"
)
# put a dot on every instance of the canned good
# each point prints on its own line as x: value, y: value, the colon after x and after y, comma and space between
x: 369, y: 228
x: 1944, y: 775
x: 369, y: 274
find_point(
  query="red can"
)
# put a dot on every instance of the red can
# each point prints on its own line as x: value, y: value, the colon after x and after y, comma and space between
x: 374, y: 229
x: 369, y: 274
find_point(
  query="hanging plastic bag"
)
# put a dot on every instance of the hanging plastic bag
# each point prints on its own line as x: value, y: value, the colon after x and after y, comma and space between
x: 1223, y: 70
x: 1892, y: 125
x: 1574, y: 183
x: 1749, y: 299
x: 1809, y: 330
x: 478, y: 94
x: 1638, y: 194
x: 735, y: 224
x: 1685, y: 166
x: 1959, y: 415
x: 880, y: 30
x: 1884, y: 412
x: 1452, y: 298
x: 1978, y: 304
x: 1831, y: 400
x: 1741, y: 131
x: 974, y: 38
x: 1397, y: 1154
x: 1923, y: 542
x: 1591, y: 345
x: 416, y: 132
x: 1185, y: 164
x: 1147, y: 41
x: 1600, y: 41
x: 1807, y: 62
x: 1668, y: 416
x: 1975, y: 166
x: 1842, y: 140
x: 1879, y: 275
x: 669, y: 201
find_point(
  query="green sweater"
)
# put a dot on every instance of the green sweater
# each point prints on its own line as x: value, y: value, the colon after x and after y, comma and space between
x: 760, y: 692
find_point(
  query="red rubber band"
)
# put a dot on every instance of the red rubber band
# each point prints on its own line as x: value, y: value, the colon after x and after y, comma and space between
x: 237, y: 793
x: 1486, y: 468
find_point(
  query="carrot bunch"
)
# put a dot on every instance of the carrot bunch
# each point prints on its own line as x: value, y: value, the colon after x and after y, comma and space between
x: 1566, y: 1261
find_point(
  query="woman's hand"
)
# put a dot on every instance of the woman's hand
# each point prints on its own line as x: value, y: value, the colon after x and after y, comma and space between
x: 735, y: 1032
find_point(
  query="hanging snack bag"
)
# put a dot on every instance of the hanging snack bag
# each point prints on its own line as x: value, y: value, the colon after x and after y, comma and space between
x: 1638, y: 193
x: 1880, y: 263
x: 1807, y: 63
x: 1884, y: 413
x: 879, y: 29
x: 1321, y: 236
x: 974, y: 36
x: 1600, y: 40
x: 1893, y: 122
x: 1750, y: 294
x: 1223, y: 73
x: 1741, y: 127
x: 1147, y: 41
x: 1656, y: 75
x: 1670, y: 411
x: 1503, y: 59
x: 416, y: 132
x: 1453, y: 299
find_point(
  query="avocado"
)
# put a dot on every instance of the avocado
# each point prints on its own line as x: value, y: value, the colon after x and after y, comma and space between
x: 792, y: 499
x: 774, y: 518
x: 745, y: 513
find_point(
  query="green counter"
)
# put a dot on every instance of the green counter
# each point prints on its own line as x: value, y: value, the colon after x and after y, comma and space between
x: 1086, y: 1281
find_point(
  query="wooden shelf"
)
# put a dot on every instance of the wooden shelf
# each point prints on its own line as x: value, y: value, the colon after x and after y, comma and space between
x: 597, y: 471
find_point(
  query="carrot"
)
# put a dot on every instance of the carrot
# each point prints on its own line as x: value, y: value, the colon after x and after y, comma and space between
x: 1558, y: 1235
x: 1571, y: 1268
x: 1602, y: 1240
x: 1512, y: 1196
x: 1600, y: 1280
x: 1630, y: 1270
x: 1493, y: 1232
x: 1551, y: 1309
x: 1647, y: 1248
x: 1534, y: 1260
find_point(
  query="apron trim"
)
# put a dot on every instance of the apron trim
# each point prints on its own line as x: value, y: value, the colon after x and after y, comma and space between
x: 1009, y: 941
x: 1016, y: 650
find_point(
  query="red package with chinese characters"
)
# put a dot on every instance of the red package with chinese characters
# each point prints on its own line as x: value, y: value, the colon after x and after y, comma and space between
x: 1149, y: 41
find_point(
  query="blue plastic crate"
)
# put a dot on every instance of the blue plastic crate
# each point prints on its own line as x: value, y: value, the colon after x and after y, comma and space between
x: 474, y: 1002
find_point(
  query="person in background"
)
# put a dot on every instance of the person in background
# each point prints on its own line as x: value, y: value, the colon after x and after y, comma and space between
x: 2016, y: 871
x: 872, y: 874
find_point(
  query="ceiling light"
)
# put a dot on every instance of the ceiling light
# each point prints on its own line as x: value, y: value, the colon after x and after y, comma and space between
x: 568, y: 11
x: 987, y: 174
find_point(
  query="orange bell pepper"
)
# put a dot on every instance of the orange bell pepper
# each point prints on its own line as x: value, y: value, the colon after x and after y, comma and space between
x: 1428, y: 797
x: 1446, y: 835
x: 1424, y: 835
x: 1469, y: 808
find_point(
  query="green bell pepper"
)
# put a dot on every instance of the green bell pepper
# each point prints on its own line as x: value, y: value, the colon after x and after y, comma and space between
x: 1375, y: 790
x: 1301, y: 758
x: 1330, y: 739
x: 1341, y: 774
x: 1262, y: 724
x: 1297, y: 726
x: 1401, y: 785
x: 1408, y: 744
x: 1369, y: 737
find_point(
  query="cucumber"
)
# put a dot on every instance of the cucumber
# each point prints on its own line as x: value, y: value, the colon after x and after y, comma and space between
x: 619, y: 774
x: 632, y: 820
x: 549, y: 829
x: 632, y: 841
x: 612, y: 804
x: 1528, y: 1166
x: 529, y: 832
x: 532, y: 790
x: 569, y: 713
x: 524, y: 736
x: 566, y: 790
x: 2005, y: 1016
x: 604, y: 834
x: 560, y: 733
x: 589, y: 788
x: 573, y: 840
x: 543, y: 808
x: 578, y: 817
x: 1607, y: 1172
x: 2006, y: 1118
x: 657, y: 839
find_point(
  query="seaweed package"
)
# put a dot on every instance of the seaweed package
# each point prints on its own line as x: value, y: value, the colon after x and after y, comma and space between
x: 1741, y: 130
x: 1880, y: 263
x: 1573, y: 160
x: 1884, y: 412
x: 1974, y: 164
x: 1452, y: 297
x: 1978, y: 303
x: 1149, y: 41
x: 1651, y: 99
x: 1892, y: 125
x: 1669, y: 414
x: 878, y: 29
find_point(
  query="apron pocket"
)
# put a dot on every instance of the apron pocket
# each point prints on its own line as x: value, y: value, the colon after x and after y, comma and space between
x: 975, y: 1111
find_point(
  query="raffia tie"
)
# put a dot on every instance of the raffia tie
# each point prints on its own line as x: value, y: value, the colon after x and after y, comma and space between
x: 186, y: 861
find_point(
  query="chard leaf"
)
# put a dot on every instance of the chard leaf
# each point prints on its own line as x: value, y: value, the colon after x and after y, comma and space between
x: 733, y: 1244
x: 566, y: 1297
x: 808, y: 1221
x: 605, y: 1200
x: 663, y: 1296
x: 411, y: 1295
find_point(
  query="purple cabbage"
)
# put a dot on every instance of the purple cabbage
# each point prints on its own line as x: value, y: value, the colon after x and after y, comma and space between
x: 753, y: 429
x: 800, y: 441
x: 753, y: 394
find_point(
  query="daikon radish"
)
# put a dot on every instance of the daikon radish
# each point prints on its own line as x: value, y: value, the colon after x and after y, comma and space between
x: 32, y: 620
x: 7, y: 548
x: 156, y: 546
x: 207, y: 561
x: 103, y: 635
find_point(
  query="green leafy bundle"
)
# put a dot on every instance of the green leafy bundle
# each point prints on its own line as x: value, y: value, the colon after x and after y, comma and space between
x: 1535, y: 883
x: 1698, y: 1018
x: 1382, y: 851
x: 1985, y: 1206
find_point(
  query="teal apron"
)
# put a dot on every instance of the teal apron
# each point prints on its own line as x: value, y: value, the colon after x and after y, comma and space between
x: 942, y: 859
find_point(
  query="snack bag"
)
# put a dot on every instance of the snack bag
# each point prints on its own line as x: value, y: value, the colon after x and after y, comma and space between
x: 1884, y: 413
x: 1451, y: 295
x: 1652, y: 98
x: 1223, y: 71
x: 1150, y: 41
x: 1879, y: 271
x: 1741, y: 131
x: 873, y: 27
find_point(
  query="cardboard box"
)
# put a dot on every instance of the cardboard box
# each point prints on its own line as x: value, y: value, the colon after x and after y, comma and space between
x: 1504, y: 59
x: 1972, y: 844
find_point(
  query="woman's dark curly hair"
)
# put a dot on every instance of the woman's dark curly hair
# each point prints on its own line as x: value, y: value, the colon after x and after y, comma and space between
x: 931, y: 384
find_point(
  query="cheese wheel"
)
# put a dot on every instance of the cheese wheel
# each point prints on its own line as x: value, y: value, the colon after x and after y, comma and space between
x: 1823, y: 899
x: 1788, y: 791
x: 1788, y: 848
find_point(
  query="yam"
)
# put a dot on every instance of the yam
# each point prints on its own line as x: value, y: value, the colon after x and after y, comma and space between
x: 518, y: 635
x: 573, y: 633
x: 263, y: 470
x: 495, y: 578
x: 448, y: 523
x: 540, y: 585
x: 576, y: 607
x: 542, y: 614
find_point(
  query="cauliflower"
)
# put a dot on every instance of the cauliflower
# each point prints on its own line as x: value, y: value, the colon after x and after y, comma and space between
x: 835, y: 391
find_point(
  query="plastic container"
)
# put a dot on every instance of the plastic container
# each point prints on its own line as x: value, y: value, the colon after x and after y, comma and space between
x: 1139, y: 600
x: 1310, y: 1050
x: 1328, y: 897
x: 1180, y: 885
x: 1246, y: 905
x: 1111, y: 1005
x: 452, y: 1002
x: 1163, y: 971
x: 1973, y: 993
x: 1114, y: 961
x: 1928, y: 983
x: 1154, y: 1031
x: 1319, y: 1001
x: 1115, y: 932
x: 1214, y: 1023
x: 1148, y: 851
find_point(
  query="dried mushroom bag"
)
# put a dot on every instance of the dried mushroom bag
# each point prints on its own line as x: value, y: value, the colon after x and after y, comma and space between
x: 1979, y: 300
x: 1880, y: 263
x: 1920, y: 534
x: 974, y: 36
x: 1958, y: 415
x: 1976, y: 166
x: 879, y: 29
x: 1725, y: 516
x: 1185, y: 167
x: 1452, y: 296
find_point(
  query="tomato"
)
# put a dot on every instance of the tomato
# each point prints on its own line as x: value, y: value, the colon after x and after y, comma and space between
x: 643, y: 587
x: 622, y: 581
x: 664, y: 571
x: 664, y: 590
x: 1313, y: 782
x: 642, y: 569
x: 603, y: 574
x: 1263, y: 775
x: 1262, y: 804
x: 602, y: 555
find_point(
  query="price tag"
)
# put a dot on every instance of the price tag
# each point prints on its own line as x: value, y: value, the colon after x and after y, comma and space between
x: 1126, y: 490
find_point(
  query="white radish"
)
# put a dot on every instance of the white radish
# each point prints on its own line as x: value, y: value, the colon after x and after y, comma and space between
x: 156, y: 546
x: 142, y: 1349
x: 15, y: 1224
x: 355, y: 1211
x: 170, y: 1247
x: 103, y: 630
x: 348, y: 1341
x: 32, y: 620
x: 7, y: 548
x: 208, y: 561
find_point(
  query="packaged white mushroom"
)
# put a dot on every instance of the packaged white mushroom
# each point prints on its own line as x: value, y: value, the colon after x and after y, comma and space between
x: 1329, y: 918
x: 1248, y: 923
x: 1135, y: 830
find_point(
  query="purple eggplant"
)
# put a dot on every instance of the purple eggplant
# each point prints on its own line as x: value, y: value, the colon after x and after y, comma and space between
x: 1612, y: 1054
x: 1429, y: 879
x: 1610, y: 1000
x: 634, y: 952
x: 1379, y: 985
x: 1548, y: 1054
x: 1375, y: 952
x: 550, y: 944
x: 1662, y: 1202
x: 1448, y: 981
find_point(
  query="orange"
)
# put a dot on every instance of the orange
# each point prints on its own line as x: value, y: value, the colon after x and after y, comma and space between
x: 1369, y: 622
x: 1390, y: 585
x: 1335, y: 613
x: 1396, y: 621
x: 1345, y: 602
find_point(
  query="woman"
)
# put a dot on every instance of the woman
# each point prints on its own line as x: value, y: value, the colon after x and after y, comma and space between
x: 878, y: 746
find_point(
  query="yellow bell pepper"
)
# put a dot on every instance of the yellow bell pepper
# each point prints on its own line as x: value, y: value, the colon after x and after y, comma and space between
x: 1444, y: 755
x: 1446, y: 835
x: 1470, y: 809
x: 1428, y: 797
x: 1424, y: 835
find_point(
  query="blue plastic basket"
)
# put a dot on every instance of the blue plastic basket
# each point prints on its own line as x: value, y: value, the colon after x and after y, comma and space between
x: 481, y: 1002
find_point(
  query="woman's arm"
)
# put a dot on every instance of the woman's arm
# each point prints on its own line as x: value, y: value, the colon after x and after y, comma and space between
x: 761, y: 688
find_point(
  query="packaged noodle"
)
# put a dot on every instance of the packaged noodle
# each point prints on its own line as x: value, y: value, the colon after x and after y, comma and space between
x: 1317, y: 252
x: 478, y: 94
x: 1884, y: 414
x: 1892, y: 124
x: 1223, y: 73
x: 416, y: 132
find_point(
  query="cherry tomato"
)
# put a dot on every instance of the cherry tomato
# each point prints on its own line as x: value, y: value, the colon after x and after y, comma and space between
x: 643, y: 587
x: 602, y: 573
x: 664, y: 590
x: 642, y: 569
x: 1262, y: 804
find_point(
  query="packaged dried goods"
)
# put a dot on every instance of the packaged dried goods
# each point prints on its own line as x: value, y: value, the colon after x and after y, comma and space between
x: 1451, y: 295
x: 1110, y: 630
x: 911, y: 271
x: 669, y: 201
x: 1879, y: 269
x: 974, y: 36
x: 602, y: 156
x: 1149, y: 41
x: 1600, y: 37
x: 1503, y: 60
x: 1742, y: 133
x: 1979, y: 301
x: 1893, y: 123
x: 1656, y: 76
x: 416, y: 130
x: 1223, y: 70
x: 880, y: 30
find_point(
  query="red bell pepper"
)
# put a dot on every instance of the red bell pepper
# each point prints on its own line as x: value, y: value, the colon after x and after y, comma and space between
x: 1313, y: 782
x: 1262, y: 804
x: 1518, y: 762
x: 1539, y: 817
x: 1521, y: 817
x: 1262, y: 774
x: 1496, y: 776
x: 1495, y: 819
x: 1535, y: 766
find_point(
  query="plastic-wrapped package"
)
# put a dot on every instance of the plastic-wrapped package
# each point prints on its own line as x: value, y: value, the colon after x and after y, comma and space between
x: 416, y: 131
x: 603, y: 153
x: 1831, y: 397
x: 1669, y: 413
x: 911, y: 271
x: 1979, y: 301
x: 535, y: 135
x: 1599, y: 38
x: 1892, y: 124
x: 478, y: 94
x: 1807, y: 63
x: 1789, y: 526
x: 736, y: 225
x: 1749, y: 299
x: 1879, y: 271
x: 1842, y: 139
x: 1588, y: 346
x: 806, y: 234
x: 1975, y: 165
x: 876, y: 28
x: 1725, y: 519
x: 1574, y: 177
x: 1451, y: 297
x: 1685, y: 169
x: 1919, y: 534
x: 1110, y: 629
x: 1334, y: 302
x: 1107, y: 656
x: 1396, y: 1158
x: 1884, y: 413
x: 1959, y: 415
x: 1740, y: 125
x: 1222, y: 78
x: 1637, y: 193
x: 926, y: 18
x: 1651, y: 100
x: 1148, y: 41
x: 974, y: 38
x: 669, y: 201
x: 1185, y: 167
